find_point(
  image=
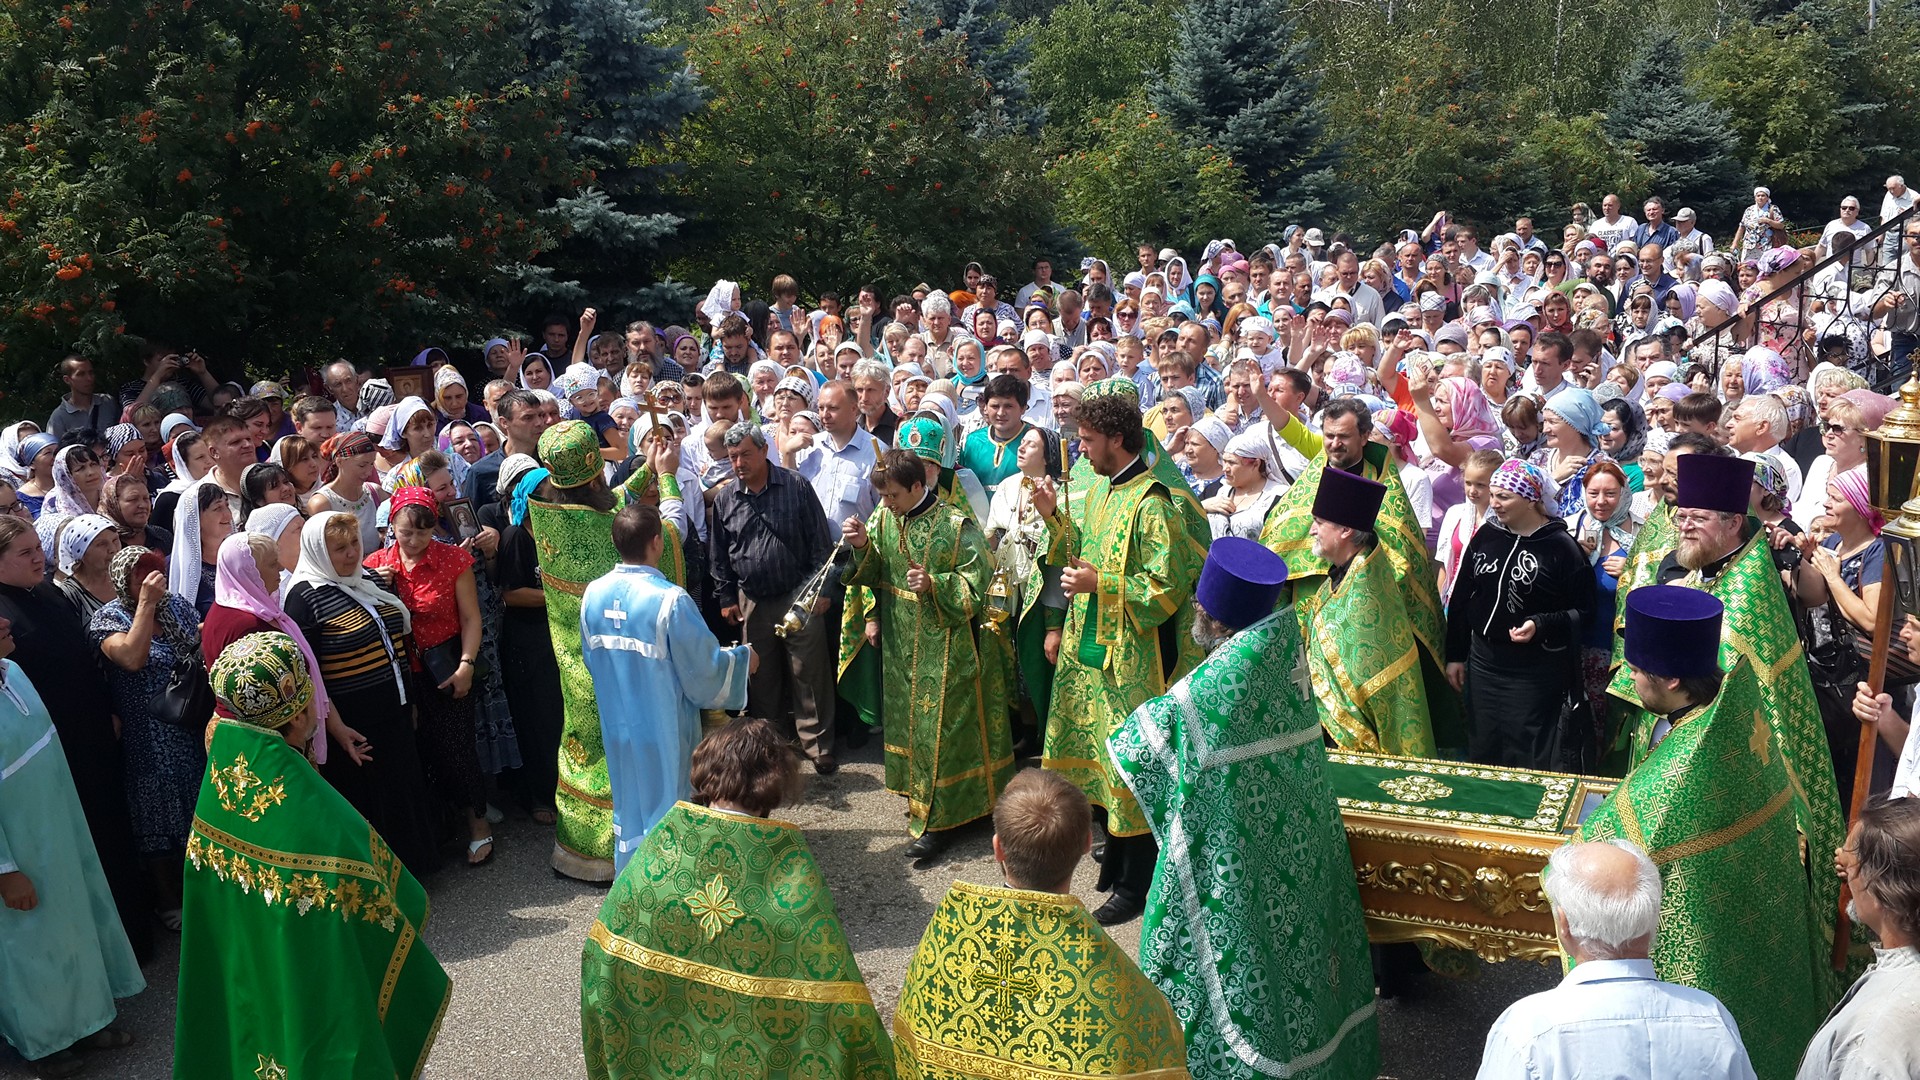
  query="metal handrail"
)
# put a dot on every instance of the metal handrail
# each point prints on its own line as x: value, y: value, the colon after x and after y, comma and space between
x: 1884, y: 278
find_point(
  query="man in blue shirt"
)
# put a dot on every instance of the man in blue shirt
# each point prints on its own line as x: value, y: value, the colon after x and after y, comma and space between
x: 1655, y: 230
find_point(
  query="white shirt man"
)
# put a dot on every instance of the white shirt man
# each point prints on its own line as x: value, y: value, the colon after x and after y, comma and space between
x: 1611, y: 1016
x: 1611, y: 226
x: 1848, y: 221
x: 1367, y: 305
x: 840, y: 462
x: 1690, y: 245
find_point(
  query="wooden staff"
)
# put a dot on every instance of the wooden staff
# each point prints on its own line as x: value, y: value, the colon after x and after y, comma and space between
x: 1869, y: 735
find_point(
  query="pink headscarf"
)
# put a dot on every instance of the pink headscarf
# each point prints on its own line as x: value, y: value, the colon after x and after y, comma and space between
x: 1853, y: 488
x: 237, y: 585
x: 1472, y: 413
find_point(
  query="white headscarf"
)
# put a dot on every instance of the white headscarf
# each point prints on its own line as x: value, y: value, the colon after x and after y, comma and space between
x: 316, y: 569
x: 11, y: 467
x: 183, y: 478
x: 183, y: 569
x: 271, y: 521
x: 394, y: 438
x: 719, y: 302
x: 77, y: 536
x: 66, y: 496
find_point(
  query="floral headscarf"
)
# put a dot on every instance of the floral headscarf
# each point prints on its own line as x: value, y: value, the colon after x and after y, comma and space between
x: 1517, y: 477
x: 1763, y: 371
x: 127, y: 571
x: 1771, y: 478
x: 66, y: 497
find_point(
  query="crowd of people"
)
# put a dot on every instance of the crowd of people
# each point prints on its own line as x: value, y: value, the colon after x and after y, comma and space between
x: 1173, y: 530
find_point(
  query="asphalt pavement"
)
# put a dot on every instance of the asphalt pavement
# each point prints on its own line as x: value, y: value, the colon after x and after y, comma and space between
x: 510, y: 934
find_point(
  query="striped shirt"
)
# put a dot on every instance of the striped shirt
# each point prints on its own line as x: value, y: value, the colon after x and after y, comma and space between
x: 352, y: 655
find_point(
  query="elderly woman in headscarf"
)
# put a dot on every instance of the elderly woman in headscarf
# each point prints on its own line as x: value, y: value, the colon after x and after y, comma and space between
x: 452, y: 401
x: 146, y: 632
x: 1604, y: 528
x: 124, y: 501
x: 12, y: 466
x: 1456, y: 419
x: 1199, y: 454
x: 1839, y: 582
x: 1573, y: 426
x: 356, y: 632
x: 87, y: 546
x: 1843, y: 435
x: 409, y: 432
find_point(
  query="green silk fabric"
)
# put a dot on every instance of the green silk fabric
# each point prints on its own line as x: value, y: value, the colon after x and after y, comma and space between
x: 948, y: 746
x: 1405, y: 543
x: 1111, y: 650
x: 1253, y: 926
x: 1364, y: 661
x: 1713, y: 804
x: 718, y: 955
x: 1015, y: 985
x: 1759, y: 629
x: 300, y: 950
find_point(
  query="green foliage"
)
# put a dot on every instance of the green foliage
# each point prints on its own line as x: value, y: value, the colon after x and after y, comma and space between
x: 1580, y: 162
x: 995, y: 58
x: 1436, y: 138
x: 1779, y: 87
x: 275, y: 181
x: 1074, y: 67
x: 1687, y: 145
x: 1141, y: 179
x: 1239, y: 79
x: 838, y: 145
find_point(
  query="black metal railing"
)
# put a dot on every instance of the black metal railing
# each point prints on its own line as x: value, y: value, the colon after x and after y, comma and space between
x: 1869, y: 271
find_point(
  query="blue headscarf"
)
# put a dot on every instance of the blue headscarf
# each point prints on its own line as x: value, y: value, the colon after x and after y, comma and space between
x: 1577, y: 406
x: 522, y: 491
x: 1219, y: 308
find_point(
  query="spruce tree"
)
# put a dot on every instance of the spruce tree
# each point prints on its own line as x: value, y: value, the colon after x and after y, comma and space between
x: 627, y: 93
x: 1239, y: 80
x: 995, y: 54
x: 1688, y: 144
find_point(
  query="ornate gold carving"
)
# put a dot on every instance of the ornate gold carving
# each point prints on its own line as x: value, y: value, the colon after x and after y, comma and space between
x: 1491, y: 947
x: 713, y: 905
x: 1417, y: 788
x: 243, y: 793
x: 1492, y: 888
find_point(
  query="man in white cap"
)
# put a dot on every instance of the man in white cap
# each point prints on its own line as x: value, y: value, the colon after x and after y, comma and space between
x: 1689, y: 247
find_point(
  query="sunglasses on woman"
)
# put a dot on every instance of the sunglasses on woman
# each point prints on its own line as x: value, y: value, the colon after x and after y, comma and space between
x: 1839, y: 429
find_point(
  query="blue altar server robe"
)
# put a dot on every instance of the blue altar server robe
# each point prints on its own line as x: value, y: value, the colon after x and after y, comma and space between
x: 655, y: 665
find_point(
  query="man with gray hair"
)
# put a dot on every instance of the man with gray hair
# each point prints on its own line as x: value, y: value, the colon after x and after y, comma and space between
x: 1758, y: 424
x: 941, y: 334
x: 1611, y: 1016
x: 343, y: 386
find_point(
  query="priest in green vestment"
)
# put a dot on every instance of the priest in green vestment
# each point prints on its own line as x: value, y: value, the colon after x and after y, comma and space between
x: 1721, y: 551
x: 1362, y: 655
x: 1253, y: 927
x: 571, y: 519
x: 64, y: 955
x: 948, y: 747
x: 1020, y: 982
x: 300, y: 948
x: 1128, y: 568
x: 1342, y: 444
x: 718, y: 954
x: 1712, y: 804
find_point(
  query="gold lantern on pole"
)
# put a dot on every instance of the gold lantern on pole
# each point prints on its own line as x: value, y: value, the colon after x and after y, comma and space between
x: 1893, y: 467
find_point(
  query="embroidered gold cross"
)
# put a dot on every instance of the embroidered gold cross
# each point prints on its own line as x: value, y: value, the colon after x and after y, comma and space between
x: 998, y: 977
x: 269, y: 1069
x: 243, y: 793
x: 713, y: 905
x: 1757, y: 742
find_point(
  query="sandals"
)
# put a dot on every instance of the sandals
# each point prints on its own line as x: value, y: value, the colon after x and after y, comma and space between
x: 473, y: 848
x: 545, y: 816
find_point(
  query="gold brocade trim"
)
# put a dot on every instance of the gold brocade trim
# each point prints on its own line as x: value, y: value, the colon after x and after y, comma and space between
x: 1389, y: 673
x: 433, y: 1033
x: 967, y: 1063
x: 1721, y: 837
x: 256, y: 870
x: 809, y: 990
x: 590, y: 800
x: 572, y: 588
x: 722, y: 815
x: 399, y: 960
